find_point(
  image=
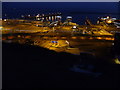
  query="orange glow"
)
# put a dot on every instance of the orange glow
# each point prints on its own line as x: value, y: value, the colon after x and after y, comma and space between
x: 82, y: 37
x: 55, y: 37
x: 19, y: 36
x: 45, y: 37
x: 91, y: 38
x: 109, y: 38
x: 99, y: 37
x: 63, y: 37
x: 113, y: 39
x: 109, y: 21
x: 74, y: 37
x: 27, y: 36
x: 3, y: 38
x: 10, y: 37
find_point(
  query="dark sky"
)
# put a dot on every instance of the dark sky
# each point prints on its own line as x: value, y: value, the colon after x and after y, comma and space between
x: 75, y: 6
x: 81, y: 9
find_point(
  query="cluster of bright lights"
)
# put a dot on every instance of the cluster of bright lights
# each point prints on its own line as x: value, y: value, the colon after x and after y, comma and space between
x: 108, y: 19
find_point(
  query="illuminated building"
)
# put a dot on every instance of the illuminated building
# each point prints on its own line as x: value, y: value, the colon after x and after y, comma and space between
x: 58, y: 21
x: 69, y: 18
x: 69, y: 22
x: 107, y: 20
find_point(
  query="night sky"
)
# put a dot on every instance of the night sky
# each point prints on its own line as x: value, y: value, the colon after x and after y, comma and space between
x: 88, y: 5
x: 76, y: 9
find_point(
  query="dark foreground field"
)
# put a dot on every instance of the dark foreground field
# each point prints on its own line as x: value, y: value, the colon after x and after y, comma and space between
x: 34, y: 67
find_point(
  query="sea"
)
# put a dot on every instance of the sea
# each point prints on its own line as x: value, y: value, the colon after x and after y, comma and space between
x: 78, y: 10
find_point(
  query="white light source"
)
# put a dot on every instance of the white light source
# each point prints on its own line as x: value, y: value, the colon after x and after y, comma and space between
x: 104, y: 18
x: 74, y: 27
x: 58, y: 17
x: 38, y: 18
x: 114, y: 18
x: 5, y: 19
x: 108, y: 17
x: 49, y: 18
x: 69, y: 17
x: 55, y: 24
x: 38, y: 15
